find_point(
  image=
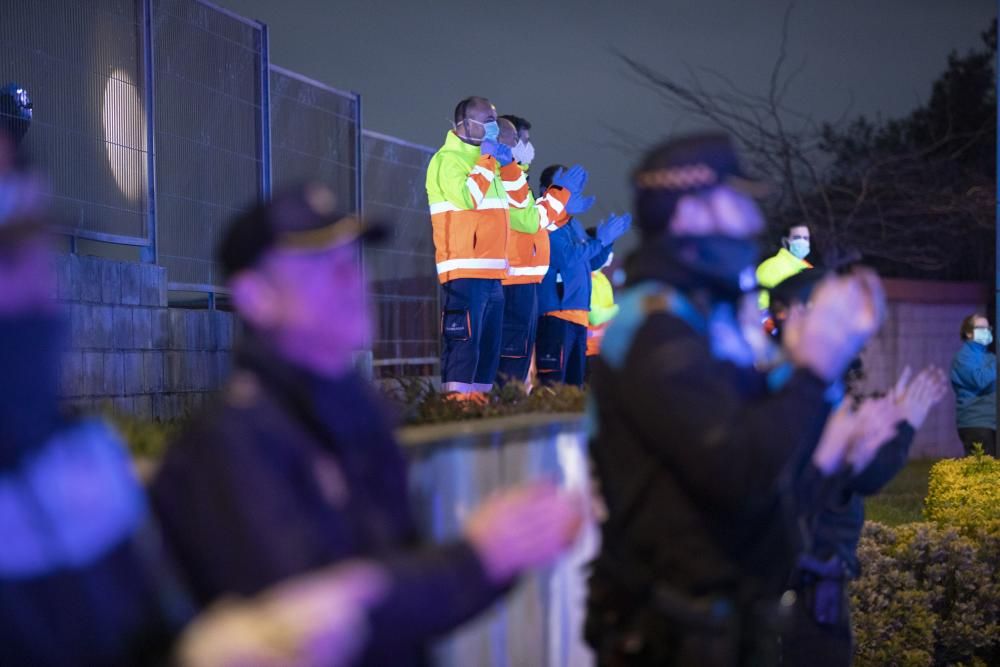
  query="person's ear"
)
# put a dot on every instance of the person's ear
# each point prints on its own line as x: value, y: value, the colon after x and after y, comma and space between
x: 784, y: 242
x: 255, y: 299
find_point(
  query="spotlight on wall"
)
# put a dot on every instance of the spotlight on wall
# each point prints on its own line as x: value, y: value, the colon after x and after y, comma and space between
x: 125, y: 134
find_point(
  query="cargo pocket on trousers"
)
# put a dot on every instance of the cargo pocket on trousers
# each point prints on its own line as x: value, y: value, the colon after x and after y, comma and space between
x: 549, y: 357
x: 514, y: 341
x: 456, y: 325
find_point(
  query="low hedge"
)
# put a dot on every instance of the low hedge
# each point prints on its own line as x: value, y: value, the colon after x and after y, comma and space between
x: 927, y: 596
x: 416, y: 402
x: 964, y: 493
x: 929, y: 593
x: 419, y: 402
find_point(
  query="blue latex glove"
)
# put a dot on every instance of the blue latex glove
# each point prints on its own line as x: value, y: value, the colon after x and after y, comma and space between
x: 573, y: 179
x: 578, y: 204
x: 503, y: 155
x: 489, y: 147
x: 613, y: 228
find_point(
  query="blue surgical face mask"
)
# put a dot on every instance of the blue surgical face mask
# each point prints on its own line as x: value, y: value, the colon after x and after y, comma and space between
x: 982, y: 335
x: 799, y: 248
x: 491, y: 130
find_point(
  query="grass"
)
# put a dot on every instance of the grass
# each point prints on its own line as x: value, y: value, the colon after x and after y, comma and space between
x: 902, y: 500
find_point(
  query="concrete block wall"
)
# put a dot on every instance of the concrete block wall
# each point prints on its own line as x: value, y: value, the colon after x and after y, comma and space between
x: 129, y: 352
x: 921, y: 328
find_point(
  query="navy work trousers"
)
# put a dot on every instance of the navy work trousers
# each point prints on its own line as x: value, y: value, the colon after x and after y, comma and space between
x: 520, y: 323
x: 471, y: 324
x: 560, y: 351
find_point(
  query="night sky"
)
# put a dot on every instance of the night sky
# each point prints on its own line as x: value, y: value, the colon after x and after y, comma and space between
x: 554, y: 62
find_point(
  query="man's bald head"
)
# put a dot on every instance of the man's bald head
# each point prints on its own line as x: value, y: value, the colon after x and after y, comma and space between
x: 470, y: 116
x: 508, y: 133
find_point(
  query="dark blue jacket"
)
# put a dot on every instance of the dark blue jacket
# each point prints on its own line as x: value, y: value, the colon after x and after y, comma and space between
x: 974, y: 379
x: 838, y: 526
x: 83, y: 578
x: 293, y: 473
x: 573, y: 255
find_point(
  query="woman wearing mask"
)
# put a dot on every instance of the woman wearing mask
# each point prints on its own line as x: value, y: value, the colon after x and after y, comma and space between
x: 974, y: 379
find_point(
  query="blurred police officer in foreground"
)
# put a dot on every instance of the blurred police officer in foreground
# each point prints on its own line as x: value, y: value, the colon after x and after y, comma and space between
x: 298, y: 467
x: 819, y: 631
x: 83, y: 580
x: 694, y: 450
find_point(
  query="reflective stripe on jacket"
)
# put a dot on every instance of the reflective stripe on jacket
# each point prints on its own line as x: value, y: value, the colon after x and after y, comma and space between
x: 602, y: 310
x: 469, y: 212
x: 529, y: 241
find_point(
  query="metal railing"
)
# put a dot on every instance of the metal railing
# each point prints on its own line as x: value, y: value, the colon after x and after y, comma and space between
x: 401, y: 272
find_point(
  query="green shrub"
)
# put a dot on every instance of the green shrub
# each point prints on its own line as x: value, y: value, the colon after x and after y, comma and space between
x: 928, y: 595
x: 418, y: 402
x: 964, y: 493
x: 145, y: 439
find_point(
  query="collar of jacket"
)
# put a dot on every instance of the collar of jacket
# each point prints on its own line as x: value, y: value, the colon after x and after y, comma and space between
x: 785, y: 255
x: 655, y: 261
x: 293, y: 386
x: 453, y: 142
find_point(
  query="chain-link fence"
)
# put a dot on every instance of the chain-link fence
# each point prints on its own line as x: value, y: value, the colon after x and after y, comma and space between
x: 210, y: 81
x: 159, y: 120
x: 314, y: 135
x: 401, y: 271
x: 83, y: 65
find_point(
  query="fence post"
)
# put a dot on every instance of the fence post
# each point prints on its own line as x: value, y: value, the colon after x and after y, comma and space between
x: 365, y: 360
x: 265, y: 111
x: 150, y: 253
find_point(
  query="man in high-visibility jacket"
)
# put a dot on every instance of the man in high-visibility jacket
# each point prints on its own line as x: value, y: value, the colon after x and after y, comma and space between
x: 788, y: 261
x: 528, y: 252
x: 602, y: 304
x: 468, y: 181
x: 564, y: 294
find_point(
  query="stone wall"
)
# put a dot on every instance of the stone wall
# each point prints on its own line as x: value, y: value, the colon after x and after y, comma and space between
x: 129, y: 352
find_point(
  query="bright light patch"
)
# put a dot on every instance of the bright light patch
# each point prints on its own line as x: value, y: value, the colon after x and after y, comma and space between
x: 125, y: 134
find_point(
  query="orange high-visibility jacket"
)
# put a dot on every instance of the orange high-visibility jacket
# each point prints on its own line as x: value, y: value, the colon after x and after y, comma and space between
x: 469, y: 211
x: 530, y: 223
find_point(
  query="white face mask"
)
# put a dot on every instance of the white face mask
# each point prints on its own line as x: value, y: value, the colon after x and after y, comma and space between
x: 523, y: 152
x: 982, y: 335
x: 799, y: 248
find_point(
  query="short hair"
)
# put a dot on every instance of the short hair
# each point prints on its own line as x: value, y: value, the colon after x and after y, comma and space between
x: 545, y: 180
x: 519, y: 123
x: 969, y: 325
x: 462, y: 108
x: 787, y: 229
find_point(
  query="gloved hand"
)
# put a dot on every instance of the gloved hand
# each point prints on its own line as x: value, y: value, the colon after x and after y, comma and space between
x: 489, y: 147
x: 578, y: 204
x: 573, y: 179
x: 613, y: 228
x: 503, y: 155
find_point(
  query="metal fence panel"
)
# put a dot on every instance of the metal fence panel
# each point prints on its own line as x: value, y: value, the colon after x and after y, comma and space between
x: 82, y: 64
x: 209, y: 157
x: 315, y: 131
x: 401, y: 271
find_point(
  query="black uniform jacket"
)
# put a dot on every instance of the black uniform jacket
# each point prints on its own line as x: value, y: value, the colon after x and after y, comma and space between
x: 292, y: 473
x: 696, y: 460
